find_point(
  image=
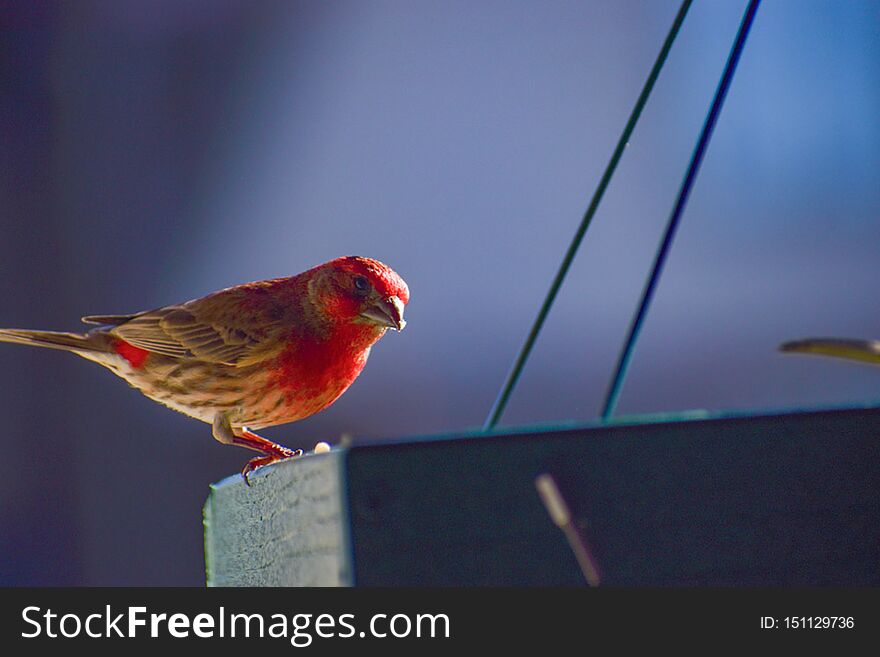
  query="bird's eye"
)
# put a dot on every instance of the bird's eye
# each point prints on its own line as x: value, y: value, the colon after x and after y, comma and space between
x: 361, y: 283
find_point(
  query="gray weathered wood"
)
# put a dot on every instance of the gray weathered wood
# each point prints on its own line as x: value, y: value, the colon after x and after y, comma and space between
x: 286, y: 529
x: 782, y: 499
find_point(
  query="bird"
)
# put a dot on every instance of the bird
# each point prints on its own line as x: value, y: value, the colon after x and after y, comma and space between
x: 251, y: 356
x: 866, y: 351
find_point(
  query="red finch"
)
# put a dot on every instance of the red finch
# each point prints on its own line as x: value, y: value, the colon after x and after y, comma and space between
x: 249, y: 356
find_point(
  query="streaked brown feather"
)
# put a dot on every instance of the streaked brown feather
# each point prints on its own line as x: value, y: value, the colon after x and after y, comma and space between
x: 110, y: 320
x: 224, y: 328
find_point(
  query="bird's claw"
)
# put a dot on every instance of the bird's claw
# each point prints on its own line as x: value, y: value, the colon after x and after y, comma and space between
x: 255, y: 463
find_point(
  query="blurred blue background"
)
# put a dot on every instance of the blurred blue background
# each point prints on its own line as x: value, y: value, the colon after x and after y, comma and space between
x: 151, y: 152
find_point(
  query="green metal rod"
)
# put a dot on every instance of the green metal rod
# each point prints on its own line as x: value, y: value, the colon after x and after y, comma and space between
x: 684, y: 192
x: 525, y: 351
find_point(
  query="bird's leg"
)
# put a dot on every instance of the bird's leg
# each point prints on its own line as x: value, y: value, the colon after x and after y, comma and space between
x: 225, y: 433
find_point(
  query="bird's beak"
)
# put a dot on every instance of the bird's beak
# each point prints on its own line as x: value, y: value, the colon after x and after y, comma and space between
x: 387, y: 312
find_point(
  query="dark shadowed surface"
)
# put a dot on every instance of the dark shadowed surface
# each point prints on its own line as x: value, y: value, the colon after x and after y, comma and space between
x: 777, y: 500
x: 155, y: 151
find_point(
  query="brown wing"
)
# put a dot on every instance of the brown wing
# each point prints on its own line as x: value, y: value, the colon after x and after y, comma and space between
x: 229, y: 327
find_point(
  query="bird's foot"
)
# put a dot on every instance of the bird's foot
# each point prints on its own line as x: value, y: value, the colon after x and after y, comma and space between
x: 272, y: 452
x: 260, y: 461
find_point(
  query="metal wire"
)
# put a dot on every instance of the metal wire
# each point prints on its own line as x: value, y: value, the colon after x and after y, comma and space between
x: 515, y: 372
x: 613, y: 393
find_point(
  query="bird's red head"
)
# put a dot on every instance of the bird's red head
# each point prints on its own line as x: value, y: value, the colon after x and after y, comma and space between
x: 360, y: 290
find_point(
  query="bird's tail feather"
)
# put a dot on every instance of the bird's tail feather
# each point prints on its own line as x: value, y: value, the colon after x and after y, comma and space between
x: 77, y: 342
